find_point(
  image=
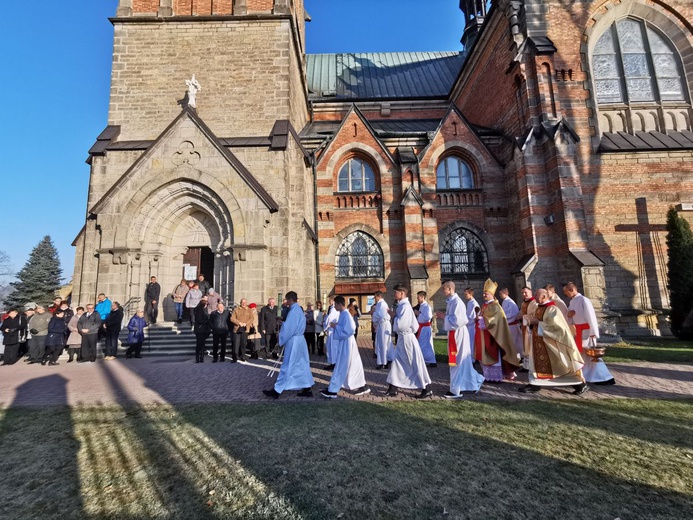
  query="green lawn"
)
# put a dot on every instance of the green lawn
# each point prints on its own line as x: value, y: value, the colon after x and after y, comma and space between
x: 659, y: 350
x: 353, y: 460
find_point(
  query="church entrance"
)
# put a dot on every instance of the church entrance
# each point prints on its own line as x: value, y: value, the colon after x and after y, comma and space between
x: 196, y: 261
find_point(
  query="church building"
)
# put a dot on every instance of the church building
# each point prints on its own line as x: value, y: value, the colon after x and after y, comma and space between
x: 548, y: 149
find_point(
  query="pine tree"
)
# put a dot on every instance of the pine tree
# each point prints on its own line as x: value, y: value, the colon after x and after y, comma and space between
x: 39, y: 279
x: 680, y: 270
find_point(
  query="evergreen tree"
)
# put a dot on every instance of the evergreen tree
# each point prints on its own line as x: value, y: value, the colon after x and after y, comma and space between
x: 680, y: 270
x: 39, y: 279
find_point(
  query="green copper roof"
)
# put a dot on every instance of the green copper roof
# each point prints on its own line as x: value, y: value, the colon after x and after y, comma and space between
x: 382, y: 75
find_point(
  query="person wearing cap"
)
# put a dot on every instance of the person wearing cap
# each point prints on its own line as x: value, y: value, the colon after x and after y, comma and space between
x: 13, y: 327
x: 38, y: 326
x: 494, y: 345
x: 295, y: 372
x: 254, y: 336
x: 242, y: 319
x: 201, y: 328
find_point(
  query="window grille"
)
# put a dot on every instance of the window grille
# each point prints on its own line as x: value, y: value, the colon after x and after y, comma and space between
x: 463, y: 253
x: 359, y: 256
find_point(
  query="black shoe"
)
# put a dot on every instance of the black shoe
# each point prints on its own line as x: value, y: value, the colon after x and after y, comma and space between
x: 215, y: 360
x: 392, y: 391
x: 128, y: 356
x: 43, y: 362
x: 306, y: 392
x: 271, y: 393
x: 431, y: 365
x: 379, y: 367
x: 450, y: 395
x: 375, y: 355
x: 330, y: 367
x: 328, y: 394
x: 222, y: 360
x: 234, y: 360
x: 362, y: 391
x: 53, y: 363
x: 81, y: 361
x: 529, y: 389
x: 611, y: 381
x: 254, y: 356
x: 241, y: 359
x: 180, y: 320
x: 138, y: 357
x: 580, y: 389
x: 426, y: 392
x: 69, y: 360
x: 275, y: 355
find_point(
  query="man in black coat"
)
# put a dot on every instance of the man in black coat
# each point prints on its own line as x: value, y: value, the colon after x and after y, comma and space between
x: 113, y: 324
x: 269, y: 327
x: 151, y: 300
x: 88, y: 325
x: 205, y: 286
x: 13, y: 328
x: 201, y: 329
x: 219, y: 321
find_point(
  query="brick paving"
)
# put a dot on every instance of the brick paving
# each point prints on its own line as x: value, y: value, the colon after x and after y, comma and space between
x: 178, y: 380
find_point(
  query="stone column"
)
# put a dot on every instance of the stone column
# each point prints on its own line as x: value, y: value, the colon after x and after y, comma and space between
x: 124, y: 8
x: 240, y: 7
x: 165, y: 8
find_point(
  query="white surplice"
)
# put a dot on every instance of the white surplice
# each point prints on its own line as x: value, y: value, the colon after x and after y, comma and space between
x: 594, y: 371
x: 330, y: 317
x: 295, y: 371
x: 472, y: 306
x: 408, y: 369
x: 463, y: 377
x: 383, y: 332
x: 512, y: 313
x: 348, y: 370
x: 426, y: 334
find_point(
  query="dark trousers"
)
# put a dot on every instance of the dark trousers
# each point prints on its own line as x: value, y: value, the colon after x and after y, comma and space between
x: 135, y: 348
x: 37, y: 348
x: 220, y: 340
x: 321, y: 344
x: 240, y: 339
x: 111, y: 347
x: 191, y: 315
x: 89, y: 347
x: 270, y: 341
x: 151, y: 310
x: 310, y: 341
x: 200, y: 340
x: 74, y: 350
x: 52, y: 353
x: 11, y: 354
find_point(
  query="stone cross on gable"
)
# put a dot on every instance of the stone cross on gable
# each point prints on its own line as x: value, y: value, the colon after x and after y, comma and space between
x: 650, y: 254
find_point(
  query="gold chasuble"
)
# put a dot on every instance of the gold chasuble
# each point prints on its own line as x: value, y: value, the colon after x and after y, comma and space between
x: 497, y: 326
x: 554, y: 353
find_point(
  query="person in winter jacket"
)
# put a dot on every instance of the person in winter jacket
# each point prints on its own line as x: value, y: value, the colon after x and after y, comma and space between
x: 136, y: 327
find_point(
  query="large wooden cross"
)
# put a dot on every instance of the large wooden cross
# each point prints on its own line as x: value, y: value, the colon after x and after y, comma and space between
x: 650, y: 256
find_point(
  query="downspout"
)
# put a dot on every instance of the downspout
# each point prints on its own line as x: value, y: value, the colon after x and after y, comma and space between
x: 315, y: 223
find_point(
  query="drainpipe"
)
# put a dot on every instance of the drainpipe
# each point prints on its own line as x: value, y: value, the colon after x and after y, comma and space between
x: 315, y: 224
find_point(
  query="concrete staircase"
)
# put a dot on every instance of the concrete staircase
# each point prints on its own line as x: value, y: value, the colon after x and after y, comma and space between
x: 167, y: 339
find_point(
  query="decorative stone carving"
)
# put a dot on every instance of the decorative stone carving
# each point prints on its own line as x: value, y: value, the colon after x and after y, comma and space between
x: 193, y: 88
x: 186, y: 154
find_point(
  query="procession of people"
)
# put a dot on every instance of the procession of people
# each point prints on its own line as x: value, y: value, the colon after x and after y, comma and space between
x: 487, y: 342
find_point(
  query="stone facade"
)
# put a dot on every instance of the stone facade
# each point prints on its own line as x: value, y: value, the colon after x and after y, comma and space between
x: 547, y: 202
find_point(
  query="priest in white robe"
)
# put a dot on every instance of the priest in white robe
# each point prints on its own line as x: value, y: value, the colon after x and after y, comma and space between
x: 581, y: 312
x: 512, y: 313
x: 348, y: 370
x: 408, y: 369
x: 331, y: 316
x: 295, y: 372
x: 425, y: 335
x: 383, y: 330
x: 472, y: 311
x: 463, y: 376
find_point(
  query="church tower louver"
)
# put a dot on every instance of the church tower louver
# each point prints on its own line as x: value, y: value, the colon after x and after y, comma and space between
x: 224, y: 189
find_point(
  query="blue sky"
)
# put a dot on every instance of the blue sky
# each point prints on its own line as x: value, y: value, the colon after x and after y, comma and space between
x: 57, y: 62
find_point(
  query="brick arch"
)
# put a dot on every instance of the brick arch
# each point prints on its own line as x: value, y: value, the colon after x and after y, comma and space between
x: 483, y: 236
x: 474, y: 158
x: 377, y: 236
x: 356, y: 154
x: 360, y: 150
x: 157, y: 201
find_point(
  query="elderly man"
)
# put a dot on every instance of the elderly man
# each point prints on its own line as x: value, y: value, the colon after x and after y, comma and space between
x: 269, y: 327
x: 408, y: 369
x: 527, y: 308
x: 512, y: 314
x: 89, y: 325
x: 219, y: 325
x: 295, y: 371
x: 38, y: 326
x: 494, y: 345
x: 242, y: 319
x: 463, y: 377
x: 581, y: 311
x: 554, y: 359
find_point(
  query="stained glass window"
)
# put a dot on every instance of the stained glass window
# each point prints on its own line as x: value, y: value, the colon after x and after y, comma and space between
x: 356, y: 176
x: 359, y: 256
x: 463, y: 253
x: 454, y: 174
x: 633, y: 63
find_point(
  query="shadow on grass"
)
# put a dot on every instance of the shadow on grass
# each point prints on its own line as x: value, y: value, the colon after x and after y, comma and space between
x: 39, y: 475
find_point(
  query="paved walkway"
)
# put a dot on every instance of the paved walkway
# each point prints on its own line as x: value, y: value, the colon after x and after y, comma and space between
x: 178, y: 380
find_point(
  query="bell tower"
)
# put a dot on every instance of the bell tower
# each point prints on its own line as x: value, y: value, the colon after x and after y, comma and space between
x: 474, y: 15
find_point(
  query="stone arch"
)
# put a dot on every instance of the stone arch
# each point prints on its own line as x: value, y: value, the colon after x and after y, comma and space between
x: 361, y: 150
x: 475, y: 159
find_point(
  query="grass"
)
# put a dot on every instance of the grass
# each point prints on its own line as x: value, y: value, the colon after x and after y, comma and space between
x: 659, y: 350
x: 535, y: 459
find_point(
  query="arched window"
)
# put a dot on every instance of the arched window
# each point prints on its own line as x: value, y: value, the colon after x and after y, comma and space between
x: 356, y: 175
x: 359, y: 256
x: 633, y: 63
x: 463, y: 253
x: 453, y: 173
